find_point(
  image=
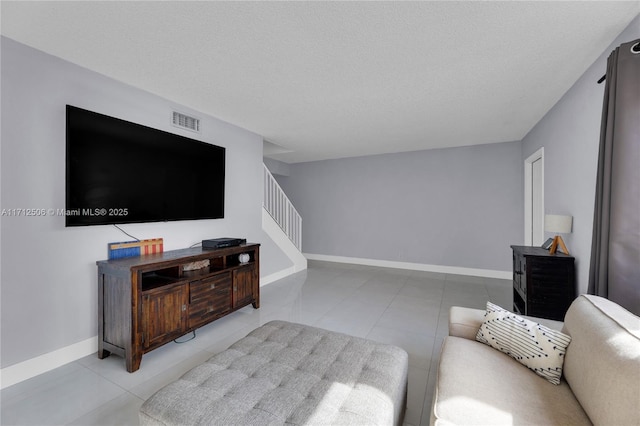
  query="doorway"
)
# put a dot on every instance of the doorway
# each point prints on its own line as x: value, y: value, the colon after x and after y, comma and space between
x: 534, y: 199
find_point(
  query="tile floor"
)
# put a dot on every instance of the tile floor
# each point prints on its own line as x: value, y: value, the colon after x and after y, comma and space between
x: 405, y: 308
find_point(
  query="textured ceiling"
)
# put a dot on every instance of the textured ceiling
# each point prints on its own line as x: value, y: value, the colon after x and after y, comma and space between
x: 337, y: 79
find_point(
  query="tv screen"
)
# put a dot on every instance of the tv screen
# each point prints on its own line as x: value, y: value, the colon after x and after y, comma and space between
x: 122, y: 172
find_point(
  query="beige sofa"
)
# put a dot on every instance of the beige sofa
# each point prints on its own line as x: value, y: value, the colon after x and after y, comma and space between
x: 600, y: 383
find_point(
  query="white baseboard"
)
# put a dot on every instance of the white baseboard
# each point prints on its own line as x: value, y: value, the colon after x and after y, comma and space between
x: 277, y: 276
x: 458, y: 270
x: 41, y: 364
x: 32, y: 367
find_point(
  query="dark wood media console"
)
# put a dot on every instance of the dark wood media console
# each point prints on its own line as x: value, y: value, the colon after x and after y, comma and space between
x: 147, y: 301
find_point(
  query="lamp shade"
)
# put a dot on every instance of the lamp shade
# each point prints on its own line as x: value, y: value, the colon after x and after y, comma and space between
x: 558, y: 223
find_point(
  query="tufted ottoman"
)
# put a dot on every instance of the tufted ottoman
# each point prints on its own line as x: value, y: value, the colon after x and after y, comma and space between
x: 288, y: 373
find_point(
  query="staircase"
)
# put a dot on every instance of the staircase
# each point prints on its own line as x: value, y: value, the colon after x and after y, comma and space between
x: 278, y: 205
x: 282, y: 222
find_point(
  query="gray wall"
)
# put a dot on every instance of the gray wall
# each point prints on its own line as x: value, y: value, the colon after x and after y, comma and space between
x: 570, y: 134
x: 277, y: 168
x: 458, y: 207
x: 48, y: 272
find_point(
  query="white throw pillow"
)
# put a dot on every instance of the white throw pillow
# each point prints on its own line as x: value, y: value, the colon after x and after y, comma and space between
x: 539, y: 348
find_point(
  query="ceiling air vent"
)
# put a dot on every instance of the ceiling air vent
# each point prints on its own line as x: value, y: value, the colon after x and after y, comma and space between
x: 186, y: 122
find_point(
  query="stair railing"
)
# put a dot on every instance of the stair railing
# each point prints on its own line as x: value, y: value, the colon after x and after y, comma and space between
x: 278, y: 205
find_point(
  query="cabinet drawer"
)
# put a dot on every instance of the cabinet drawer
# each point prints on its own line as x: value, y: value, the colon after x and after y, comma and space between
x: 203, y: 312
x: 209, y: 287
x: 216, y: 303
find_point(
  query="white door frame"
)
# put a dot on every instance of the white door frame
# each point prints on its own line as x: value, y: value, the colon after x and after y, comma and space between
x: 528, y: 203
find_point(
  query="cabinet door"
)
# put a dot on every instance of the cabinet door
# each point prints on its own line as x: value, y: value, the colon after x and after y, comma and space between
x: 164, y: 313
x: 243, y: 286
x: 551, y: 289
x: 519, y: 284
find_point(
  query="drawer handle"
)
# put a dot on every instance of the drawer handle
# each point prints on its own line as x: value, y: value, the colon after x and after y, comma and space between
x: 213, y: 286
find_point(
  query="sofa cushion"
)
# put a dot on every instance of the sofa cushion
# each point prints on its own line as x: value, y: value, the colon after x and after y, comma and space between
x: 533, y: 345
x: 602, y: 364
x: 465, y: 322
x: 479, y: 385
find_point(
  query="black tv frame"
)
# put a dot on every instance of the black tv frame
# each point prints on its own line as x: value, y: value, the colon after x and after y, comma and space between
x: 117, y: 172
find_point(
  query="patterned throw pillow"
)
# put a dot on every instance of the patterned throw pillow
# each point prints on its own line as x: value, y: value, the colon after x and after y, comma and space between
x: 539, y: 348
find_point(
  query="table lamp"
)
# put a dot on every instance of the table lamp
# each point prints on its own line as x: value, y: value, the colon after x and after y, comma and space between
x: 558, y: 224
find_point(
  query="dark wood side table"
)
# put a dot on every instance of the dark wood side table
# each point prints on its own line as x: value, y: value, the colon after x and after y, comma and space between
x: 543, y: 284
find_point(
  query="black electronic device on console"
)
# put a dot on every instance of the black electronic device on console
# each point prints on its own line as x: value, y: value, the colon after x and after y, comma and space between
x: 222, y: 242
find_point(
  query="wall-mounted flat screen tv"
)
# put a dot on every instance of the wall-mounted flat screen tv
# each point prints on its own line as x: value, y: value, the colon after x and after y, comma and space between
x: 122, y: 172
